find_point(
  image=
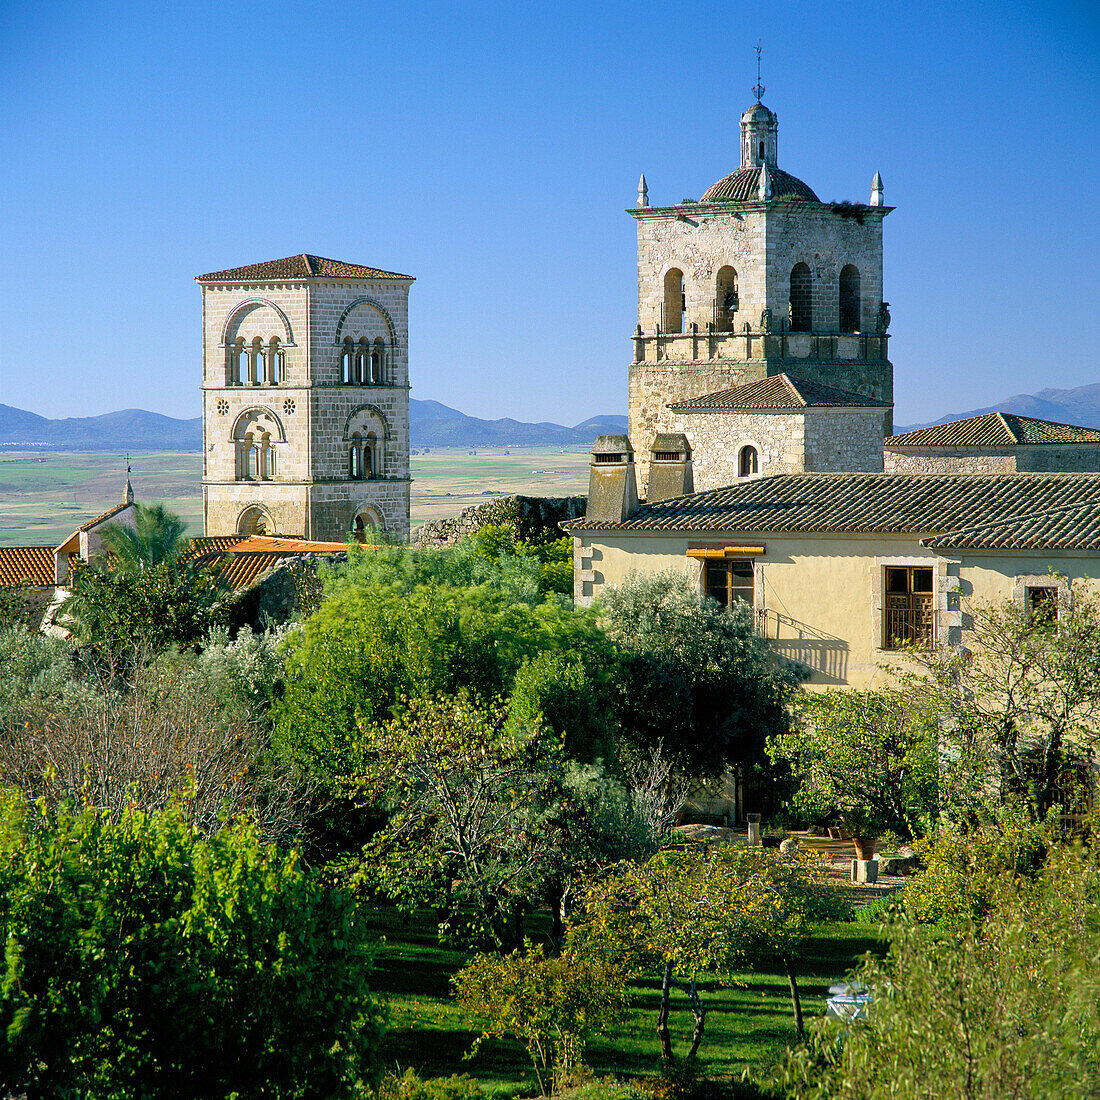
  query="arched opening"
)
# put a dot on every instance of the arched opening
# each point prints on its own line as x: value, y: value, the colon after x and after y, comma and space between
x: 347, y: 357
x: 802, y: 299
x: 370, y: 454
x: 253, y: 521
x: 761, y: 150
x: 674, y: 301
x: 367, y: 525
x: 276, y: 362
x: 748, y: 462
x: 378, y: 362
x: 362, y: 362
x: 238, y: 358
x: 257, y: 365
x: 849, y: 299
x: 355, y: 458
x: 726, y: 301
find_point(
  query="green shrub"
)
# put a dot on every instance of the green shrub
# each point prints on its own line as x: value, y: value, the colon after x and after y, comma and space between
x: 410, y: 1086
x: 552, y: 1005
x: 962, y: 870
x: 142, y: 960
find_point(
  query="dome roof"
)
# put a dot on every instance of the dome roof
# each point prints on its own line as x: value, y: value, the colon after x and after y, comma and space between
x: 742, y: 186
x: 758, y: 113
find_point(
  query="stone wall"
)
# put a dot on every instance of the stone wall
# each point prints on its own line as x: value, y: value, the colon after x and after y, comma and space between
x: 533, y: 519
x: 840, y: 440
x: 1024, y: 458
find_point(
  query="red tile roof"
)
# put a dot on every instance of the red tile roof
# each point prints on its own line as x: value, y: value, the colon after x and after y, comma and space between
x: 780, y: 391
x: 994, y: 430
x: 1074, y: 527
x: 243, y: 559
x: 31, y: 565
x: 303, y: 266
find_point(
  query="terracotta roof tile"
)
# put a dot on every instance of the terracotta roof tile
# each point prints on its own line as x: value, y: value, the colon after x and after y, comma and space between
x: 923, y: 504
x: 744, y: 184
x: 779, y: 391
x: 1074, y: 527
x: 994, y: 430
x: 303, y: 266
x: 243, y: 559
x: 31, y: 565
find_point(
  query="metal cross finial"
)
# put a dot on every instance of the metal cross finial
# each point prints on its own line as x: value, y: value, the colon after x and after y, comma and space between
x: 127, y: 464
x: 759, y: 89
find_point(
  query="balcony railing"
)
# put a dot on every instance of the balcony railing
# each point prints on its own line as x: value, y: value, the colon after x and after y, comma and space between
x: 714, y: 342
x: 910, y: 621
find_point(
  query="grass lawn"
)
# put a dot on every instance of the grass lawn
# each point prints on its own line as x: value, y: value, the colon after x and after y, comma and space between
x: 746, y: 1026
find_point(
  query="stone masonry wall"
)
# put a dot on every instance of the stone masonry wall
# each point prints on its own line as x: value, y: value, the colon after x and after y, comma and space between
x: 716, y: 440
x: 533, y: 519
x: 1036, y: 458
x: 845, y: 440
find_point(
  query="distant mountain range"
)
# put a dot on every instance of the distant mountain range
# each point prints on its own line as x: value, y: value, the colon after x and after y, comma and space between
x: 431, y: 425
x: 1078, y: 406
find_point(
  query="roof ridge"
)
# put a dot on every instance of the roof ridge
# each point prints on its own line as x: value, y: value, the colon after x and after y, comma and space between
x: 1007, y: 427
x: 309, y: 263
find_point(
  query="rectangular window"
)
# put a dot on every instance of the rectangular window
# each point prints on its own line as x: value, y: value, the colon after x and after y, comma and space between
x: 1042, y: 602
x: 909, y: 606
x: 730, y: 581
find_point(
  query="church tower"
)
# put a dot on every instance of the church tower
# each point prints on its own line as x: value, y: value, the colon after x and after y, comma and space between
x: 757, y: 278
x: 305, y: 400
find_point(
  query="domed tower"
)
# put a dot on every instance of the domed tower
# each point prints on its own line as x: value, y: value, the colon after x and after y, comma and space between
x: 757, y: 278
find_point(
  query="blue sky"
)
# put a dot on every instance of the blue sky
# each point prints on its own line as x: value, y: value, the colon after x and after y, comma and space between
x: 490, y: 150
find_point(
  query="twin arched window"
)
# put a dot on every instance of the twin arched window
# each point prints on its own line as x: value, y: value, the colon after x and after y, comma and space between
x: 257, y: 362
x: 364, y: 363
x: 255, y: 457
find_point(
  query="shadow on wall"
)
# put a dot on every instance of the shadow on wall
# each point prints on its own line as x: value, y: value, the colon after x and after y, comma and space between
x: 824, y: 654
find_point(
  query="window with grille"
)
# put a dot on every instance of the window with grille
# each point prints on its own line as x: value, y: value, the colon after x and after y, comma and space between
x: 730, y: 582
x: 608, y: 458
x: 1042, y: 602
x: 666, y: 456
x: 910, y: 607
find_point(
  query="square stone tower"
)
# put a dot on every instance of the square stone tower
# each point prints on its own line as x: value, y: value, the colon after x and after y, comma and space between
x: 305, y: 399
x: 757, y: 278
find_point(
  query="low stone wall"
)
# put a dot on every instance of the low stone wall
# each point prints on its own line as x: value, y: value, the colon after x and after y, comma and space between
x: 533, y: 519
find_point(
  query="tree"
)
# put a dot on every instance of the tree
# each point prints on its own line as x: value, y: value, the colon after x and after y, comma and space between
x: 1018, y: 703
x: 1005, y: 1007
x: 686, y: 912
x: 553, y: 1005
x: 143, y: 960
x: 869, y: 756
x: 476, y: 814
x: 697, y: 677
x: 183, y: 729
x: 157, y: 536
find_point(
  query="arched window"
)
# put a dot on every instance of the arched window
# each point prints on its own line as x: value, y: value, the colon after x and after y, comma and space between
x: 761, y: 150
x: 362, y: 362
x: 257, y: 364
x: 802, y: 299
x: 267, y: 458
x: 725, y: 299
x: 378, y: 362
x: 255, y: 435
x: 367, y: 525
x: 276, y: 362
x: 252, y: 521
x: 370, y: 456
x: 674, y: 301
x: 347, y: 361
x: 748, y: 462
x: 355, y: 458
x: 849, y: 299
x: 238, y: 363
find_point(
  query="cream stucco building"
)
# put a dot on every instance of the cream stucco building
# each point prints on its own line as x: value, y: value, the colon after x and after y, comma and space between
x: 305, y: 399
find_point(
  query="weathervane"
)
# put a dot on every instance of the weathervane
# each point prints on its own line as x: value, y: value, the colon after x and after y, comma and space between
x: 759, y: 89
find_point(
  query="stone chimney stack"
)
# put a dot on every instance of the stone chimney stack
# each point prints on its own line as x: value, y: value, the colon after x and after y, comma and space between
x: 612, y: 489
x: 669, y: 468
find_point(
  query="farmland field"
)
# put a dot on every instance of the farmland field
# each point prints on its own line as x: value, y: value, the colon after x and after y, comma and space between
x: 44, y: 495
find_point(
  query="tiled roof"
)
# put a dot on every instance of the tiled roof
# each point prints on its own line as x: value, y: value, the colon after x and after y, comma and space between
x: 780, y: 391
x: 31, y: 565
x: 243, y: 559
x: 924, y: 504
x: 303, y: 266
x: 994, y: 430
x: 1074, y: 527
x: 95, y: 521
x: 743, y: 185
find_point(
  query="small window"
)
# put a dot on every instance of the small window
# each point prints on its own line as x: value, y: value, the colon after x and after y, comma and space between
x: 606, y: 459
x: 748, y: 462
x: 666, y: 456
x: 761, y: 150
x: 1042, y: 602
x: 730, y: 582
x: 910, y: 617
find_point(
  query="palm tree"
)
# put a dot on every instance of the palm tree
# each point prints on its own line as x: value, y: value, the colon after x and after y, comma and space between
x: 156, y: 536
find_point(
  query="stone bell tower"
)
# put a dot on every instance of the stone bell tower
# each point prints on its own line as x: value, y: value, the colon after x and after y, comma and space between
x: 756, y: 278
x: 305, y: 400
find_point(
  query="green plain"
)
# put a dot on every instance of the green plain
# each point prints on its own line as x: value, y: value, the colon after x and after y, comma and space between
x: 45, y: 495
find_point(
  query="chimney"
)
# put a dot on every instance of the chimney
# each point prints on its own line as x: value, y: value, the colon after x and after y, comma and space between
x: 612, y: 490
x: 669, y: 468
